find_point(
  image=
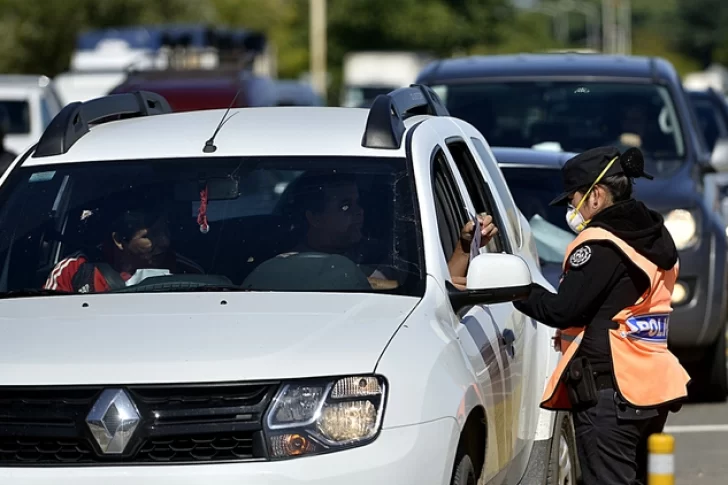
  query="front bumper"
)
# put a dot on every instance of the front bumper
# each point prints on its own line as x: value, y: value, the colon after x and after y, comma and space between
x: 702, y: 318
x: 416, y: 455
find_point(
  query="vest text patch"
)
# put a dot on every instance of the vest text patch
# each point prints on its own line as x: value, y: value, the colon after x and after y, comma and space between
x: 651, y: 328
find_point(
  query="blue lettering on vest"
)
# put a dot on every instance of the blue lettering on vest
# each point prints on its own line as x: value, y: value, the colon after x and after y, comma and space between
x: 651, y: 328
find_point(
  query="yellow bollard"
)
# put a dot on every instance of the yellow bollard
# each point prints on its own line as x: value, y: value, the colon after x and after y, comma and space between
x: 660, y: 462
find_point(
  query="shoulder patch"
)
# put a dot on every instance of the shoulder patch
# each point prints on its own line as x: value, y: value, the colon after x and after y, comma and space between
x: 580, y: 257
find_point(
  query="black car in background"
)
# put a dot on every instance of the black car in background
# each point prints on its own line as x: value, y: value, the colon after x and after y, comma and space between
x: 572, y: 102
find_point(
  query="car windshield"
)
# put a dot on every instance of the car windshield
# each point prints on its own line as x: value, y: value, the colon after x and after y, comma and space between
x: 329, y: 224
x: 533, y: 188
x: 14, y: 117
x: 573, y: 116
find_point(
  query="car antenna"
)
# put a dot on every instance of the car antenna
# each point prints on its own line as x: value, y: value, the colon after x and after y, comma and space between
x: 210, y: 144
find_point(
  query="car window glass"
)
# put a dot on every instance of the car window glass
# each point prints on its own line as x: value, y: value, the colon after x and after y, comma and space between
x: 268, y: 223
x: 501, y: 187
x: 15, y: 116
x: 711, y: 121
x: 449, y: 206
x: 479, y: 192
x: 45, y: 113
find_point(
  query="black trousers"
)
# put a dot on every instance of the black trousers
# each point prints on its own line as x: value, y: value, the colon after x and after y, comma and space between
x: 611, y: 441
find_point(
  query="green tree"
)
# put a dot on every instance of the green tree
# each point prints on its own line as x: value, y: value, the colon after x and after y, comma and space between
x: 285, y: 23
x: 441, y: 27
x: 702, y: 29
x: 38, y: 36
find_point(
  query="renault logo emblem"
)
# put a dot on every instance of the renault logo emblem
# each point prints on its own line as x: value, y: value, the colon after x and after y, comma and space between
x: 113, y: 420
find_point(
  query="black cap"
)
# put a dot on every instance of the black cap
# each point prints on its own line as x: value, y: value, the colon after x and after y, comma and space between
x: 582, y: 170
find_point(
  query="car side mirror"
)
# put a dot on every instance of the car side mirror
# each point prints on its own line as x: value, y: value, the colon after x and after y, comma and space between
x: 719, y: 157
x: 493, y: 278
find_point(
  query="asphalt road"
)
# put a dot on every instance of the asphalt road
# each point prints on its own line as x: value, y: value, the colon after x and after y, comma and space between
x: 701, y: 444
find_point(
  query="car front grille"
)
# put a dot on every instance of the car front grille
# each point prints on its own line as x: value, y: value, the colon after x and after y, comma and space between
x: 178, y: 424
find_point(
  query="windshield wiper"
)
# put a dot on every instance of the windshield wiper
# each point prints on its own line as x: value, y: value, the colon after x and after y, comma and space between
x: 32, y: 292
x: 211, y: 288
x: 179, y: 288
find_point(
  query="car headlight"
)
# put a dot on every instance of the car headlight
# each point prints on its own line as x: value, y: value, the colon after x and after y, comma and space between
x: 683, y: 228
x: 321, y: 416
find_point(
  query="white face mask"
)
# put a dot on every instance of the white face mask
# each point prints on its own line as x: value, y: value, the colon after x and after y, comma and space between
x: 574, y: 219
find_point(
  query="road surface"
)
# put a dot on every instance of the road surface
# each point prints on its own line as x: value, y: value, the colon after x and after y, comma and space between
x: 701, y: 444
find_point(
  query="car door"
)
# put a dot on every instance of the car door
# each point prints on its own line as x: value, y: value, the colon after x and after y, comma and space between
x: 478, y: 331
x: 510, y: 325
x: 535, y: 348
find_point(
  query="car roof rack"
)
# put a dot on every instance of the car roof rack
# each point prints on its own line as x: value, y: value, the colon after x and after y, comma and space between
x: 73, y: 121
x: 385, y: 124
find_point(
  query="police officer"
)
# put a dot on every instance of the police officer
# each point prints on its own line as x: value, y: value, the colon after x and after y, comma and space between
x: 616, y: 375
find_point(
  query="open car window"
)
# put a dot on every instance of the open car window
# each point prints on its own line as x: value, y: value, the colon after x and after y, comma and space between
x: 248, y: 223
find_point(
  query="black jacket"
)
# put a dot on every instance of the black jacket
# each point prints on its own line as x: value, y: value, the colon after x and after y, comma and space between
x: 601, y: 280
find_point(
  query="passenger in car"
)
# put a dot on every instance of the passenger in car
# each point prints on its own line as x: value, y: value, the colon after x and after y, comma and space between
x: 334, y: 221
x: 135, y: 240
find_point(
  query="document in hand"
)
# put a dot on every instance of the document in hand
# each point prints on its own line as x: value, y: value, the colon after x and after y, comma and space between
x: 475, y: 243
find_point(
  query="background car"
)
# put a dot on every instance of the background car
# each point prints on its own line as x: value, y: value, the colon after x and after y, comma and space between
x: 192, y: 90
x: 573, y: 102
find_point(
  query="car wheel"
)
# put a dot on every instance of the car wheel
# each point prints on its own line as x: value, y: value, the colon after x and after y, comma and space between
x: 710, y: 379
x: 464, y: 472
x: 564, y: 465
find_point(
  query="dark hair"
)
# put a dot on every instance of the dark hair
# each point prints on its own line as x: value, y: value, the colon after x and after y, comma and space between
x: 619, y: 186
x: 129, y: 222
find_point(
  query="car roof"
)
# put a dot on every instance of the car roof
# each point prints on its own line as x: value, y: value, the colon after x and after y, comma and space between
x: 268, y: 131
x: 547, y: 66
x: 528, y: 157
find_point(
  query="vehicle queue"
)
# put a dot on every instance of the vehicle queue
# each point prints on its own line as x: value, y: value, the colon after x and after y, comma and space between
x: 429, y: 216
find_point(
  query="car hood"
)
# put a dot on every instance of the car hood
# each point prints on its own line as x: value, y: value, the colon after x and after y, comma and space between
x: 664, y: 194
x: 194, y: 337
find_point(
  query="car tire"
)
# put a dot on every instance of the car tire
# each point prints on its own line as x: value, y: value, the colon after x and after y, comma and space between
x: 710, y: 379
x: 464, y: 471
x: 564, y: 463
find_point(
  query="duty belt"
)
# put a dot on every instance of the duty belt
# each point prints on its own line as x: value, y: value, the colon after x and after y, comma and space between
x: 603, y: 377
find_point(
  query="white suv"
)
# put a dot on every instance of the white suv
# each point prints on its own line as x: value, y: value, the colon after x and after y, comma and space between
x: 170, y: 316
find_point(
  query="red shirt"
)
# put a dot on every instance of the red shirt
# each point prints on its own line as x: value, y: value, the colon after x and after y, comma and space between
x: 74, y: 275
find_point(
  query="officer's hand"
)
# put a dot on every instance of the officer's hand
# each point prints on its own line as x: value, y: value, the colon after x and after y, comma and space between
x: 487, y: 231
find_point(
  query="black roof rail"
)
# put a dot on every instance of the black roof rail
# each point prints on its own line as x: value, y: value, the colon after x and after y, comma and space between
x: 385, y: 124
x: 73, y: 121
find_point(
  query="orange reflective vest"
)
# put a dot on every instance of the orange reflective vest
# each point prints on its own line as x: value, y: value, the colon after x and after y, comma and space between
x: 646, y: 373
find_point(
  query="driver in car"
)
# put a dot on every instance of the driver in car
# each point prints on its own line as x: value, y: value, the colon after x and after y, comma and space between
x: 137, y: 240
x: 334, y: 220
